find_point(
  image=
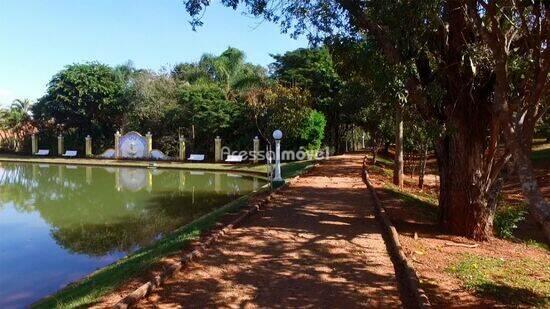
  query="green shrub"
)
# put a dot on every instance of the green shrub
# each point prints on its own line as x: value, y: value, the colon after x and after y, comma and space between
x: 507, y: 219
x: 312, y: 131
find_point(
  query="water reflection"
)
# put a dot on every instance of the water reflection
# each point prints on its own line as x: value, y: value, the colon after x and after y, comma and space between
x: 88, y: 217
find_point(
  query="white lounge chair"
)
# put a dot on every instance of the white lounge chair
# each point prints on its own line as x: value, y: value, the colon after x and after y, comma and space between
x: 158, y: 155
x: 196, y: 157
x: 70, y: 153
x: 234, y: 159
x: 42, y: 152
x: 108, y: 154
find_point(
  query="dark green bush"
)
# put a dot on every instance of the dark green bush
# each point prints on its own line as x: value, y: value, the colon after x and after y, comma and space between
x: 507, y: 219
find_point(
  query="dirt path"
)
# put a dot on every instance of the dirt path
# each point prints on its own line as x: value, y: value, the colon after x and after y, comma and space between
x: 317, y: 244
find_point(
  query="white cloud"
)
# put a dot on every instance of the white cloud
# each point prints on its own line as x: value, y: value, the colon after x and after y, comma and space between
x: 6, y: 97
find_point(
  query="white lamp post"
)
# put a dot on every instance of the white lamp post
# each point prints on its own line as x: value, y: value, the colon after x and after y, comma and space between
x: 277, y: 135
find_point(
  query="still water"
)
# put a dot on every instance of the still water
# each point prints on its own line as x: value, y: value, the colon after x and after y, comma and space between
x: 59, y: 223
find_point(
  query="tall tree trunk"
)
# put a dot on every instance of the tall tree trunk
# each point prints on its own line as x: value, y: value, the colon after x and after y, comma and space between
x: 339, y: 138
x: 465, y: 159
x: 334, y: 139
x: 463, y: 193
x: 374, y: 152
x: 398, y: 160
x: 538, y: 207
x: 376, y: 145
x: 422, y: 167
x: 411, y: 163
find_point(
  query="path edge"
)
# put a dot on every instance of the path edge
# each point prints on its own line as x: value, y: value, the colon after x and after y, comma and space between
x: 200, y: 249
x: 412, y: 283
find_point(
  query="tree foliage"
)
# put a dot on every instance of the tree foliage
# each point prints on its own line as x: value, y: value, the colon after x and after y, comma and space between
x: 229, y: 71
x: 83, y: 99
x: 313, y: 70
x: 289, y: 109
x: 197, y: 100
x: 477, y: 69
x: 16, y: 124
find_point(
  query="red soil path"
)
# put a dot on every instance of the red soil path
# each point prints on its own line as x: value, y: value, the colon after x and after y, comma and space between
x: 316, y: 244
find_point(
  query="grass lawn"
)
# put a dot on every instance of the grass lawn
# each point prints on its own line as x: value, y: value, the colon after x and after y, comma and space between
x: 517, y: 282
x: 422, y: 202
x: 89, y: 290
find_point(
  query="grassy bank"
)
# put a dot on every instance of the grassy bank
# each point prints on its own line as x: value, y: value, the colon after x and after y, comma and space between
x: 509, y: 271
x: 515, y: 282
x: 86, y: 292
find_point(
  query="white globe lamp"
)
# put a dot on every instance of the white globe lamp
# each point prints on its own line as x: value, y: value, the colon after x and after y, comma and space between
x: 277, y: 134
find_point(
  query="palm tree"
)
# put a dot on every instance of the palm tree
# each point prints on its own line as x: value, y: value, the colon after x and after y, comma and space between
x: 4, y: 125
x: 16, y: 120
x: 229, y: 70
x: 22, y: 106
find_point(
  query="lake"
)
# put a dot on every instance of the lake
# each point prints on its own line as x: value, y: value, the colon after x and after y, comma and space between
x: 59, y: 223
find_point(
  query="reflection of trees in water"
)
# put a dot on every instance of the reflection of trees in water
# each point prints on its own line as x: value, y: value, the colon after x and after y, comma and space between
x: 96, y: 219
x: 17, y: 185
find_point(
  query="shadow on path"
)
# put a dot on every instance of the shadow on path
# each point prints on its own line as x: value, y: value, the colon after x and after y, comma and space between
x: 317, y: 244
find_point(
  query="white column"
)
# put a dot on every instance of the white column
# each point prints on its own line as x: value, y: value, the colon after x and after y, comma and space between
x: 60, y: 145
x: 34, y: 143
x: 149, y: 138
x: 117, y: 145
x: 217, y: 149
x: 88, y: 146
x: 277, y: 135
x: 182, y: 148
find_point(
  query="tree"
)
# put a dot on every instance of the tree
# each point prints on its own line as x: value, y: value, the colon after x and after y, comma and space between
x: 151, y: 95
x: 362, y: 66
x: 288, y: 108
x: 22, y: 106
x: 517, y: 36
x: 458, y: 56
x: 229, y: 70
x: 16, y: 123
x: 206, y: 107
x: 313, y: 130
x: 312, y: 69
x: 83, y: 99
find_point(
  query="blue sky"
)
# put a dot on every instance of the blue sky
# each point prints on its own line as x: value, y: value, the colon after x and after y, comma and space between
x: 38, y: 38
